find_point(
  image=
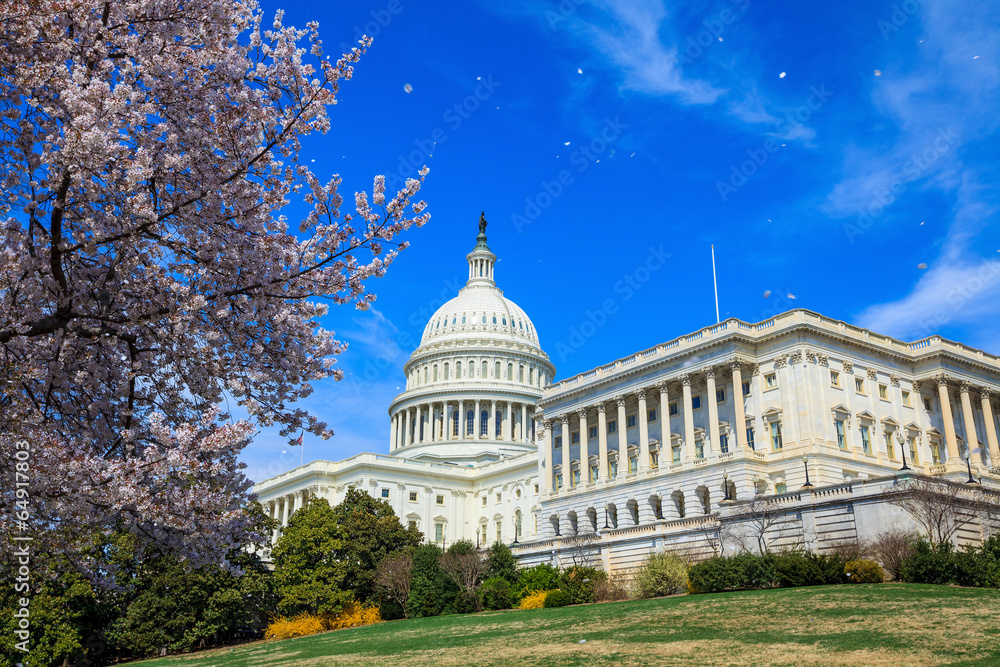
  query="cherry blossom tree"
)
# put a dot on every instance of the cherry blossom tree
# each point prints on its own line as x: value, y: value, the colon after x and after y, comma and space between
x: 148, y: 273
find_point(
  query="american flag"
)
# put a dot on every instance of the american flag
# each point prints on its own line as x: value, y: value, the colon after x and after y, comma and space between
x: 298, y: 442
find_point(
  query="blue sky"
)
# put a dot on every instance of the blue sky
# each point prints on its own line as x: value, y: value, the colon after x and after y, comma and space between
x: 841, y: 157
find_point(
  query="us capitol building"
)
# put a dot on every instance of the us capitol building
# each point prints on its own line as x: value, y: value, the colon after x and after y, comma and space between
x: 661, y: 448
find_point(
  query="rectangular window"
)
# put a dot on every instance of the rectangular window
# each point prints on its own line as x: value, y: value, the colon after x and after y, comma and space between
x: 935, y: 453
x: 536, y: 489
x: 630, y: 421
x: 593, y: 473
x: 385, y: 493
x: 673, y: 408
x: 771, y: 380
x: 411, y: 524
x: 781, y: 487
x: 613, y: 468
x: 859, y: 385
x: 499, y: 498
x: 746, y: 388
x: 724, y: 443
x: 889, y: 449
x: 841, y: 435
x: 911, y: 444
x: 866, y: 439
x: 883, y: 392
x: 613, y: 426
x: 654, y: 460
x: 651, y: 415
x: 928, y: 404
x: 439, y: 500
x: 484, y: 501
x: 413, y: 496
x: 699, y: 449
x: 558, y: 482
x: 499, y: 530
x: 576, y: 478
x: 720, y: 395
x: 558, y: 441
x: 750, y: 438
x: 439, y: 532
x: 696, y: 402
x: 834, y: 378
x: 675, y: 452
x: 592, y: 432
x: 633, y: 464
x: 776, y: 435
x: 906, y: 398
x: 574, y: 437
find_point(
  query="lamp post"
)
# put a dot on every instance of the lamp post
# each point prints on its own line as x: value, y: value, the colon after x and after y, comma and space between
x: 725, y: 485
x: 901, y: 439
x: 606, y: 524
x: 756, y: 479
x: 968, y: 464
x: 805, y: 464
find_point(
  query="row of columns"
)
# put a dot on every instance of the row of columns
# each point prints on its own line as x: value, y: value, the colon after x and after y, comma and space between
x: 546, y: 440
x: 968, y: 417
x: 437, y: 418
x: 283, y: 507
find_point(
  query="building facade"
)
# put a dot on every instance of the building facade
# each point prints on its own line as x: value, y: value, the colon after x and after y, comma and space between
x: 654, y: 449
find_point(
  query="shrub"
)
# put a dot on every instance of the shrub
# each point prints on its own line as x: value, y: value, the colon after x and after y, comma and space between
x: 495, y: 594
x: 891, y: 548
x: 299, y: 625
x: 614, y: 588
x: 500, y: 562
x: 353, y: 615
x: 534, y: 600
x: 929, y: 564
x: 466, y: 603
x: 863, y: 572
x: 976, y: 567
x: 796, y: 569
x: 735, y: 573
x: 579, y: 582
x: 541, y: 577
x: 557, y: 598
x: 661, y: 574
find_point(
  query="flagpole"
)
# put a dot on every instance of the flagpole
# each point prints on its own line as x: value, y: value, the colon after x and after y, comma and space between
x: 715, y: 284
x: 302, y: 449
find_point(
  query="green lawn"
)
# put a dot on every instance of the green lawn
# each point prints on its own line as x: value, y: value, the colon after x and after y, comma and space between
x: 902, y: 625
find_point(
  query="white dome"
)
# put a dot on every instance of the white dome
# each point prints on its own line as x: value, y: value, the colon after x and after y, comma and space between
x: 480, y: 311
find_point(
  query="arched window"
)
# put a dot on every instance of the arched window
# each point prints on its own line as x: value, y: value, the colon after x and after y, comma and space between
x: 484, y: 318
x: 484, y: 422
x: 446, y: 369
x: 463, y: 319
x: 455, y: 418
x: 435, y: 373
x: 494, y: 319
x: 520, y: 373
x: 472, y: 369
x: 453, y: 319
x: 517, y: 524
x: 427, y: 375
x: 510, y: 371
x: 505, y: 320
x: 531, y: 375
x: 470, y: 422
x: 458, y: 370
x: 498, y: 420
x: 496, y: 371
x: 485, y: 371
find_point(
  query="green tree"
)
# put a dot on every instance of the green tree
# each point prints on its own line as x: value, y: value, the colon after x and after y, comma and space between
x: 501, y: 563
x: 309, y: 572
x: 432, y: 591
x: 371, y: 532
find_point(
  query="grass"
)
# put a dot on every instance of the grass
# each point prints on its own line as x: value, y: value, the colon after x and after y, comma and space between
x: 903, y: 625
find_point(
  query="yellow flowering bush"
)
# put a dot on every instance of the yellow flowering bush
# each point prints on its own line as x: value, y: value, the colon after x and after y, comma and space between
x: 353, y: 615
x: 533, y: 600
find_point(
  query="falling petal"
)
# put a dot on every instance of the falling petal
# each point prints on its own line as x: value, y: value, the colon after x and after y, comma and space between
x: 922, y: 221
x: 566, y: 143
x: 782, y: 75
x: 579, y: 71
x: 975, y: 57
x: 479, y: 78
x: 791, y: 296
x: 878, y: 72
x: 922, y: 266
x: 408, y: 88
x: 720, y: 39
x: 767, y: 294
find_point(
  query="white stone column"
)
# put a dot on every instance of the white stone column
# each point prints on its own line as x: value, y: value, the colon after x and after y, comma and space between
x: 447, y: 421
x: 492, y: 428
x: 602, y: 443
x: 417, y: 436
x: 392, y: 432
x: 545, y: 460
x: 276, y: 515
x: 439, y: 423
x: 584, y: 449
x: 643, y: 432
x: 475, y: 422
x: 949, y: 421
x: 971, y: 440
x: 666, y: 454
x: 285, y: 513
x: 989, y: 422
x: 740, y: 427
x: 567, y: 459
x: 461, y: 419
x: 713, y: 413
x: 407, y: 437
x: 689, y: 451
x: 622, y: 437
x: 524, y: 422
x: 509, y: 433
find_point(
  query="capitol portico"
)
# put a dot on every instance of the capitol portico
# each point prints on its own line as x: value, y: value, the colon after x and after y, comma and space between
x: 654, y: 450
